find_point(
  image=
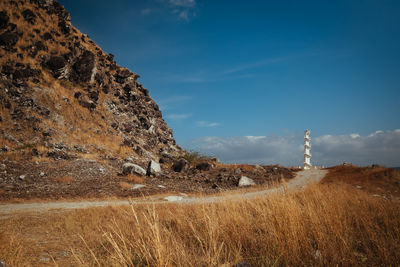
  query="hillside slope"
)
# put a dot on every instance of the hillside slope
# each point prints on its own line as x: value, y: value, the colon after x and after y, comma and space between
x: 62, y: 96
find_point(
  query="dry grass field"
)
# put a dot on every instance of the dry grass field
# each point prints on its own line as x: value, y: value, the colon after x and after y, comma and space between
x: 375, y: 180
x: 325, y: 224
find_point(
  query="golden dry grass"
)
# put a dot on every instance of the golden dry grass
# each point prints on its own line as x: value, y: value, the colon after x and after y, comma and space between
x: 377, y: 180
x: 125, y: 185
x: 134, y: 178
x: 64, y: 179
x: 323, y: 225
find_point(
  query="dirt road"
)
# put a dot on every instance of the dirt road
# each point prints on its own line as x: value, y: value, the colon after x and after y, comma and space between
x: 302, y: 178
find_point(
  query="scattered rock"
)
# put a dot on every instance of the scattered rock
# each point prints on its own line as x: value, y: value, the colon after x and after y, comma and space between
x: 173, y: 198
x: 166, y: 158
x: 153, y: 168
x: 317, y: 255
x: 41, y: 174
x: 56, y: 65
x: 47, y: 36
x: 245, y: 181
x: 8, y: 39
x: 58, y: 154
x: 3, y: 20
x: 374, y: 166
x: 237, y: 171
x: 22, y: 177
x: 180, y: 165
x: 128, y: 168
x: 29, y: 16
x: 137, y: 186
x: 161, y: 186
x: 83, y: 68
x: 44, y: 259
x: 204, y: 166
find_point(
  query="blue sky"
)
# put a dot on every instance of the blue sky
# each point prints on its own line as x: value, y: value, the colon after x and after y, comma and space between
x: 231, y: 69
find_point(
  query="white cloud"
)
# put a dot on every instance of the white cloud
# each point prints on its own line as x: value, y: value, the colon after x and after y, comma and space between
x: 182, y: 3
x: 382, y: 147
x: 183, y: 8
x: 206, y: 124
x: 145, y: 11
x: 178, y: 116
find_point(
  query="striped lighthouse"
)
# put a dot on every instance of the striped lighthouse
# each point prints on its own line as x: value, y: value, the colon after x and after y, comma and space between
x: 307, y: 147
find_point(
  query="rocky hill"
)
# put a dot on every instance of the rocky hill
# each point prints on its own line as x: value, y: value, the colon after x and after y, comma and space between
x: 76, y: 124
x: 62, y: 96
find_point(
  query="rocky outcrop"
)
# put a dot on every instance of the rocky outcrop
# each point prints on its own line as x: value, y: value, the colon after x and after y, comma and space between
x: 180, y: 165
x: 59, y: 85
x: 153, y: 168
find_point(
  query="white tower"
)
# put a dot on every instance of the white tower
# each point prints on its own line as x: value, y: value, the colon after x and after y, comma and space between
x: 307, y: 147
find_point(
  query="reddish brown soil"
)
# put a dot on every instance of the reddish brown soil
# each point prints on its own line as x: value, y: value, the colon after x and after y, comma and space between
x: 376, y: 179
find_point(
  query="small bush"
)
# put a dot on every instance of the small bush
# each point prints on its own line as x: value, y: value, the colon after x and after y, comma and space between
x: 195, y: 157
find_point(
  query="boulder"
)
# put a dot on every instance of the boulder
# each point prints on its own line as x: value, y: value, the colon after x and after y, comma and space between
x: 56, y: 65
x: 138, y: 186
x: 204, y: 166
x: 47, y: 36
x: 245, y: 181
x: 29, y: 16
x: 8, y: 39
x: 166, y: 158
x: 153, y: 168
x: 128, y: 168
x: 83, y: 67
x: 3, y: 20
x: 64, y: 27
x: 180, y: 165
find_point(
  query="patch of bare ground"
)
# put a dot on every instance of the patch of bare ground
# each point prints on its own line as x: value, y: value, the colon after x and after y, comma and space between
x: 37, y: 178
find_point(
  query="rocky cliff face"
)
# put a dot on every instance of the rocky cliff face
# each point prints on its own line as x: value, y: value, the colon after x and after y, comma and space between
x: 62, y: 96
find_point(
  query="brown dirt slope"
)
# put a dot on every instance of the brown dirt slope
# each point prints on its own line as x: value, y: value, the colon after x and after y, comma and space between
x: 376, y: 179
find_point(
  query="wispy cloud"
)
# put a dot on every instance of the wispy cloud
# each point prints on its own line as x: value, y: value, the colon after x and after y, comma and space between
x: 206, y: 124
x: 184, y: 9
x: 382, y: 147
x: 233, y: 73
x: 181, y: 9
x: 146, y: 11
x: 183, y: 3
x: 171, y: 102
x: 178, y: 116
x: 257, y: 64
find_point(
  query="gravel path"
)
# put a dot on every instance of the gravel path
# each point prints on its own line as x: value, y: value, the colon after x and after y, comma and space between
x: 302, y: 178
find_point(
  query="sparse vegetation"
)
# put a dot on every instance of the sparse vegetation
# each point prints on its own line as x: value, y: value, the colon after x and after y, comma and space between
x: 194, y: 157
x: 375, y: 180
x: 322, y: 225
